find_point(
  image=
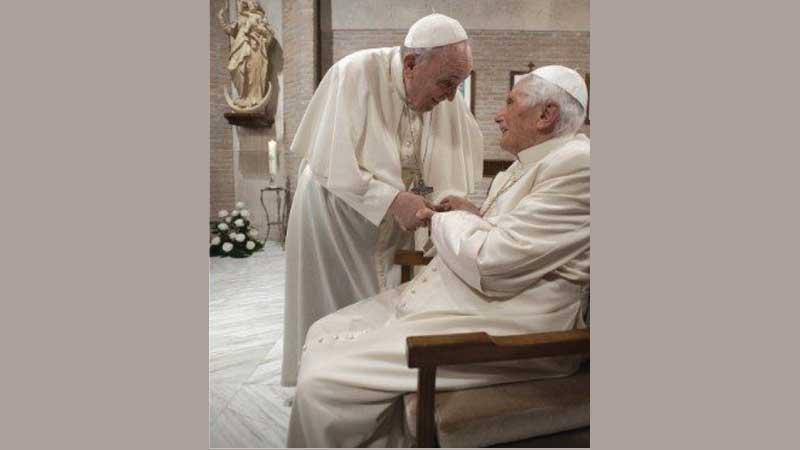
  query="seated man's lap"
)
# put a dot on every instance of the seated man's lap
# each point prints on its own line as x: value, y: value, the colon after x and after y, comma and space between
x: 366, y: 314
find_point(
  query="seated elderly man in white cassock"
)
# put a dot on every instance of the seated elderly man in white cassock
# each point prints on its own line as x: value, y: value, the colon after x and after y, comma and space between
x: 384, y: 128
x: 520, y: 264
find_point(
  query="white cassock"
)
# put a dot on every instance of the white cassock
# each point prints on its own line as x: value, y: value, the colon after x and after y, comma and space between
x: 522, y: 268
x: 361, y: 143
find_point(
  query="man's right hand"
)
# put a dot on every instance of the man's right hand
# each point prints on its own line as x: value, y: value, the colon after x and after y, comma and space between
x: 404, y: 209
x: 455, y: 203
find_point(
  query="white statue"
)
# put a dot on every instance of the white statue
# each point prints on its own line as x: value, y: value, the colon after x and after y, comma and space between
x: 248, y: 62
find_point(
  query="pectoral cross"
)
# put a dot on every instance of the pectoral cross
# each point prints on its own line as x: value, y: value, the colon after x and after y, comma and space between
x: 421, y: 188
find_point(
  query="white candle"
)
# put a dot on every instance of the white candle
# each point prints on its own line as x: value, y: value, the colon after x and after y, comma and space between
x: 273, y: 157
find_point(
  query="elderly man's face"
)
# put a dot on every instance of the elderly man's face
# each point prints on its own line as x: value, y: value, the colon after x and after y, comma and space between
x: 519, y: 123
x: 429, y: 83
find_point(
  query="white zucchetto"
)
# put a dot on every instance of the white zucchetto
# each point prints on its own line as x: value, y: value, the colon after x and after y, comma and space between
x: 434, y: 30
x: 567, y: 79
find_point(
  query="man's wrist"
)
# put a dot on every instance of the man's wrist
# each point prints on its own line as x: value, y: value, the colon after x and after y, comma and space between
x: 395, y: 204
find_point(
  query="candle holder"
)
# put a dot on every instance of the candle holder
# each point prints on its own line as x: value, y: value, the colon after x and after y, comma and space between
x: 282, y: 202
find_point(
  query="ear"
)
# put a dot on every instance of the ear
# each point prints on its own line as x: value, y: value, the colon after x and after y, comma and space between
x: 548, y: 117
x: 409, y: 63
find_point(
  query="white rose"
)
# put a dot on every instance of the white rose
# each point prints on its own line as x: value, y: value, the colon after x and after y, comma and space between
x: 228, y: 219
x: 235, y: 213
x: 245, y: 213
x: 239, y: 205
x: 222, y: 226
x: 215, y: 240
x: 222, y: 213
x: 253, y: 232
x: 240, y: 237
x: 226, y: 247
x: 239, y: 222
x: 232, y: 235
x: 250, y: 245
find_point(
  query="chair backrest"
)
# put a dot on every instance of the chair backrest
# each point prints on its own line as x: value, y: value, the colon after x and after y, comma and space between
x: 492, y: 167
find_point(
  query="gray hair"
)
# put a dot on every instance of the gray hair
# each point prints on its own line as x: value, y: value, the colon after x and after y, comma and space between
x: 423, y: 54
x: 538, y: 90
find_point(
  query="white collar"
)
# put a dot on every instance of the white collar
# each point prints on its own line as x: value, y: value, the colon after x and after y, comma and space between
x: 533, y: 155
x: 396, y: 74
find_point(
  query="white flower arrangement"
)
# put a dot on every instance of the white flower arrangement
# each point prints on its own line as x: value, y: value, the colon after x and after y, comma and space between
x: 229, y: 234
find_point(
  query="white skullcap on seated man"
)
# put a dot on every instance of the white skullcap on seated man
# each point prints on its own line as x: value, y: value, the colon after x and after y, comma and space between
x: 519, y: 264
x: 567, y: 79
x: 384, y: 135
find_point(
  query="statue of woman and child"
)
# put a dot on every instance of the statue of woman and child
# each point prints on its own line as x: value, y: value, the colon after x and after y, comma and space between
x: 248, y: 63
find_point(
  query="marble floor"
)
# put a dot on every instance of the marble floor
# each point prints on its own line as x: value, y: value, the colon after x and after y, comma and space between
x: 248, y: 407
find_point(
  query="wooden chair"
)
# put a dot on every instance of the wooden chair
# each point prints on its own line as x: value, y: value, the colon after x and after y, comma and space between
x: 492, y: 167
x: 538, y: 413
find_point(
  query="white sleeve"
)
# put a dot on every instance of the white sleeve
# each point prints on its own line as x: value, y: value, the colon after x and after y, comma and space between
x: 507, y: 253
x: 373, y: 202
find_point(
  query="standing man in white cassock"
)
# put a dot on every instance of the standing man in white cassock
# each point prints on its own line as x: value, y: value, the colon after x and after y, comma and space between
x: 379, y: 144
x: 520, y: 264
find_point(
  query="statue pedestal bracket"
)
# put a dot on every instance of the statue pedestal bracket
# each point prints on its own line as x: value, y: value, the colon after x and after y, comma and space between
x: 249, y: 119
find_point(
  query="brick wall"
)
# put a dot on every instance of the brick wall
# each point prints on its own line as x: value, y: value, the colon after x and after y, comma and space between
x: 221, y: 142
x: 299, y: 70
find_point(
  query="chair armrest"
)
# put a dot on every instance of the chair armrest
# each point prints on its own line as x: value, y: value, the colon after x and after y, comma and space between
x: 411, y: 258
x: 439, y: 350
x: 428, y: 352
x: 408, y: 258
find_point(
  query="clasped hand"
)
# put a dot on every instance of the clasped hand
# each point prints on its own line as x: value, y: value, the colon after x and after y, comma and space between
x: 412, y: 211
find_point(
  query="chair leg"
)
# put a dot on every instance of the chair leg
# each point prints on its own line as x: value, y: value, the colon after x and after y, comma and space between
x: 426, y: 390
x: 405, y: 273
